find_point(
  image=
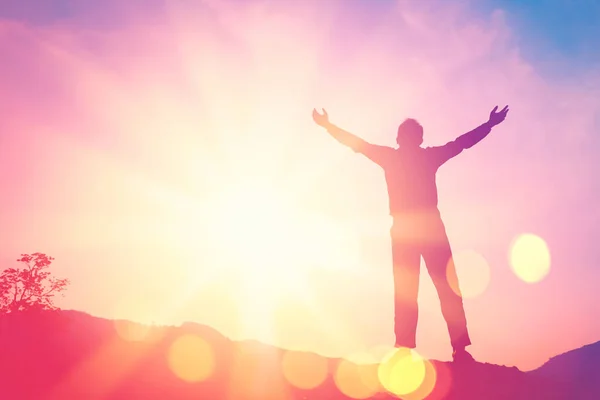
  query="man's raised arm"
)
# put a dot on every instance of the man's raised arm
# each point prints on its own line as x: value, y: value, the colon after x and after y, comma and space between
x: 471, y: 138
x: 375, y: 153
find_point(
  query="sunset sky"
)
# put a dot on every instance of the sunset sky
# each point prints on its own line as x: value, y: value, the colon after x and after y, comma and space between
x: 163, y: 152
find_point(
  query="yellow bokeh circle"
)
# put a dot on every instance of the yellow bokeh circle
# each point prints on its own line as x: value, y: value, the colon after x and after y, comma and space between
x: 530, y: 258
x: 304, y: 370
x: 191, y: 358
x: 402, y: 372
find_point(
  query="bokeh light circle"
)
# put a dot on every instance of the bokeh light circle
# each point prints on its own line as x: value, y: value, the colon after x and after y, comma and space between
x: 191, y: 358
x: 357, y: 381
x: 304, y: 370
x: 530, y: 258
x: 427, y: 385
x: 402, y: 372
x: 473, y: 272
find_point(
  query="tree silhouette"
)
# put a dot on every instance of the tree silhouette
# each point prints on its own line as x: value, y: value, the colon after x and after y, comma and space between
x: 30, y: 288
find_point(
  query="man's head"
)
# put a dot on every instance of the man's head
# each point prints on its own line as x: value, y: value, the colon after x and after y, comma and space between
x: 410, y: 133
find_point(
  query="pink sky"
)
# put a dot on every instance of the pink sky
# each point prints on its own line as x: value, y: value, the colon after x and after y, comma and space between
x: 116, y: 133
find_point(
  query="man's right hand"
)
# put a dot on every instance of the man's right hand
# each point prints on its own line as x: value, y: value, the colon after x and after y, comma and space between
x: 321, y: 119
x: 497, y: 117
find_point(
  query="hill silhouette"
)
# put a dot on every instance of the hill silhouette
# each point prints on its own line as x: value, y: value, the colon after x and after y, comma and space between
x: 579, y: 365
x: 73, y: 355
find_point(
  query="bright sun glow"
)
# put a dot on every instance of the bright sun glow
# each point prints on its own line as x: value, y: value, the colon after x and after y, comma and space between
x: 257, y: 225
x: 268, y: 247
x: 257, y: 238
x: 259, y: 229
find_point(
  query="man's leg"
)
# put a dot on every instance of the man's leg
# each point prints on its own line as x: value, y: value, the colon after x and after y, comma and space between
x: 438, y: 259
x: 407, y: 260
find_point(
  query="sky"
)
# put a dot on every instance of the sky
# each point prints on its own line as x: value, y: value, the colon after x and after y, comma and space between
x: 164, y: 153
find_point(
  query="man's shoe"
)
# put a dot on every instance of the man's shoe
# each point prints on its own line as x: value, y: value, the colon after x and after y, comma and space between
x: 461, y: 356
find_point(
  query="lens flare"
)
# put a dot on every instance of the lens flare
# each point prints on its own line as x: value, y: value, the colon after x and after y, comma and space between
x: 426, y: 388
x: 474, y: 274
x: 191, y: 358
x: 443, y: 382
x: 357, y: 381
x: 530, y: 258
x: 402, y: 372
x: 304, y: 370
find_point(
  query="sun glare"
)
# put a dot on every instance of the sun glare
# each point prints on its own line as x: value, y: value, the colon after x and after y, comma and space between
x: 269, y: 247
x: 257, y: 238
x: 259, y: 233
x: 256, y: 225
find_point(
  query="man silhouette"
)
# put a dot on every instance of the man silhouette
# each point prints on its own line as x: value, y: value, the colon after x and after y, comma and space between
x: 417, y: 228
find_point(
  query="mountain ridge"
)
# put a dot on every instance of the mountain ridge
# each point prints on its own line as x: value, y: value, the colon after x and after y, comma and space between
x: 73, y: 355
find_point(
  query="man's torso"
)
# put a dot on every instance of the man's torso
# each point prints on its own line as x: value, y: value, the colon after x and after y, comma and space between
x: 410, y: 178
